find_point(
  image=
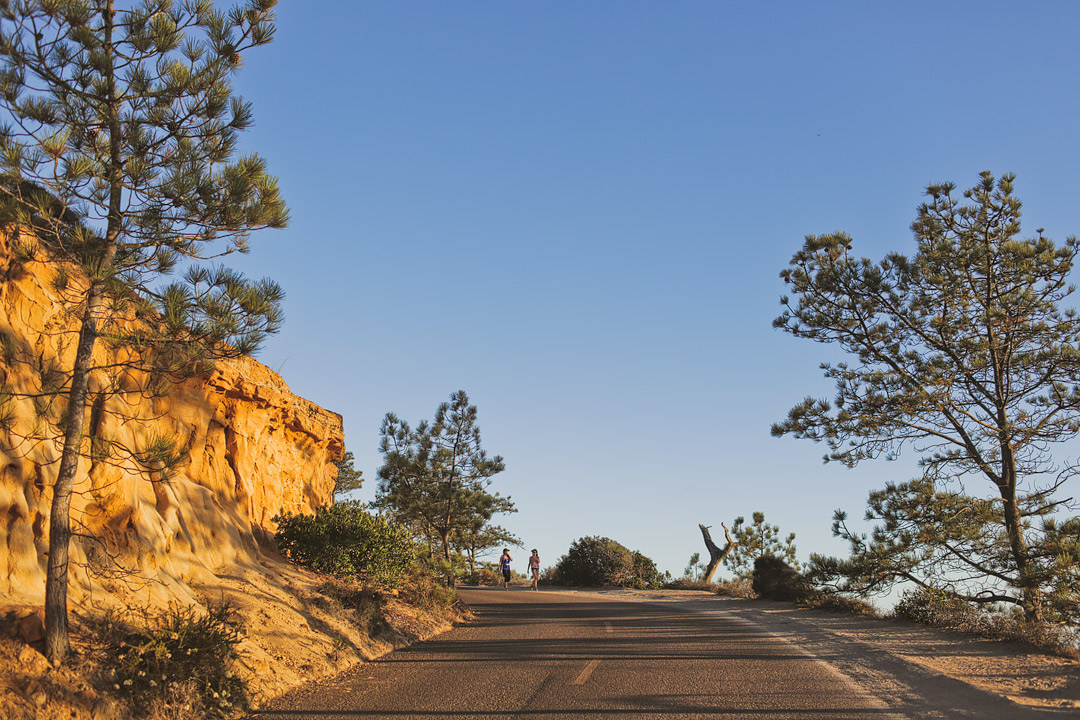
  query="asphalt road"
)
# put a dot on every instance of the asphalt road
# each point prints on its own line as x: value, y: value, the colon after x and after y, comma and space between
x: 554, y: 655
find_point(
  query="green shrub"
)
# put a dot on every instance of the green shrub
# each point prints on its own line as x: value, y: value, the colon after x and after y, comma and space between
x: 774, y: 579
x: 644, y: 575
x: 602, y: 562
x: 347, y: 541
x: 549, y: 576
x: 177, y: 663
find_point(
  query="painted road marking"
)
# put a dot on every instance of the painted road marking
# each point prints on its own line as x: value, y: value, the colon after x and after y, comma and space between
x: 586, y: 672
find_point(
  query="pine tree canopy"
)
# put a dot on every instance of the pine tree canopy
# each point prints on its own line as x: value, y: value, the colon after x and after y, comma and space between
x: 119, y: 147
x: 967, y: 352
x: 348, y: 477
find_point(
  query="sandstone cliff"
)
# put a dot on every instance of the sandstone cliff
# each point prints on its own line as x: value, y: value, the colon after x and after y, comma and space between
x: 251, y: 448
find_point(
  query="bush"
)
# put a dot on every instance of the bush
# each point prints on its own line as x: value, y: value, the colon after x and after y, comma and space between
x: 549, y: 576
x: 836, y: 603
x: 602, y: 562
x: 427, y: 590
x: 937, y: 608
x: 485, y: 576
x: 177, y: 663
x: 736, y: 587
x: 689, y: 583
x: 644, y: 575
x: 774, y: 579
x: 347, y: 541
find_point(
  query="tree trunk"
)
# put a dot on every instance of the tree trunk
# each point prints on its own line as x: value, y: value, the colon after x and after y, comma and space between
x: 445, y: 536
x: 716, y: 555
x: 1029, y: 584
x: 57, y: 640
x: 57, y: 643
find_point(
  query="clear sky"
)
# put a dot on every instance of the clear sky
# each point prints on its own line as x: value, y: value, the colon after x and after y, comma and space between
x: 578, y: 212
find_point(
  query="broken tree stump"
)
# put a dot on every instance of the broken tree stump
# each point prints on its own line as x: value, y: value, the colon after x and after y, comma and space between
x: 716, y: 555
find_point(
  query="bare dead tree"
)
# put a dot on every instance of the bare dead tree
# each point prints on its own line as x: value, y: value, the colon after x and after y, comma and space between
x: 716, y: 555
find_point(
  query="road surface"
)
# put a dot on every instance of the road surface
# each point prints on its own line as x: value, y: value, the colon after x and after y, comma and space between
x: 551, y: 655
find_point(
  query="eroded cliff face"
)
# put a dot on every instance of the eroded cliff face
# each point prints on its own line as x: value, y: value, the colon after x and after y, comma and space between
x: 250, y: 449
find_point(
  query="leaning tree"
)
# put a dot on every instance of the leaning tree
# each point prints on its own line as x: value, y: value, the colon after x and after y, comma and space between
x: 967, y: 352
x: 717, y: 555
x: 119, y: 151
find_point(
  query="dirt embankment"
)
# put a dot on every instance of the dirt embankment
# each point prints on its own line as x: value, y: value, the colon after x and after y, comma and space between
x: 293, y: 634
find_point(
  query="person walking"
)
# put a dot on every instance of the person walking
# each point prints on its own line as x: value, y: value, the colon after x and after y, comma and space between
x: 534, y: 569
x: 504, y: 565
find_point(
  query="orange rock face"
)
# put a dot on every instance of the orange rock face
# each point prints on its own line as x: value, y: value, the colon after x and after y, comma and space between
x: 250, y: 449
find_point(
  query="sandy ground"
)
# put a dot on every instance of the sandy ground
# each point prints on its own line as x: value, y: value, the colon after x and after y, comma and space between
x: 891, y: 656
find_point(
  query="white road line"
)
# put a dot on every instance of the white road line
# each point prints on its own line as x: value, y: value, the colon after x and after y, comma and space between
x: 580, y: 680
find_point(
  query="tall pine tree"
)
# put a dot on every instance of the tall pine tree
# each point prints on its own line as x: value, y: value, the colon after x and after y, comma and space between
x: 435, y: 478
x: 967, y: 352
x: 119, y: 149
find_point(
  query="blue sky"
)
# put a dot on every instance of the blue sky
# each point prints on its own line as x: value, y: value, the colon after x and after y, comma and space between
x: 578, y: 212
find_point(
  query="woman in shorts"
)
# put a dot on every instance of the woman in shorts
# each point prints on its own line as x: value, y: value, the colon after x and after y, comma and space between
x: 504, y: 565
x: 534, y: 569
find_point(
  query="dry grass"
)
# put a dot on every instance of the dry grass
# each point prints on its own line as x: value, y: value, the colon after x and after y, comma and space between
x: 30, y: 689
x: 728, y: 588
x: 85, y: 689
x: 831, y: 602
x: 935, y: 609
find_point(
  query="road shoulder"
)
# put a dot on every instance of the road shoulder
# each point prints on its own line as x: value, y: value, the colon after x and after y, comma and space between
x: 878, y: 652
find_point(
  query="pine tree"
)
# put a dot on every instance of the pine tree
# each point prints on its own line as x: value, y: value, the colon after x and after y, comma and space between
x: 695, y: 569
x: 435, y: 478
x: 481, y: 538
x: 120, y: 152
x: 756, y: 540
x: 348, y: 477
x: 965, y: 351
